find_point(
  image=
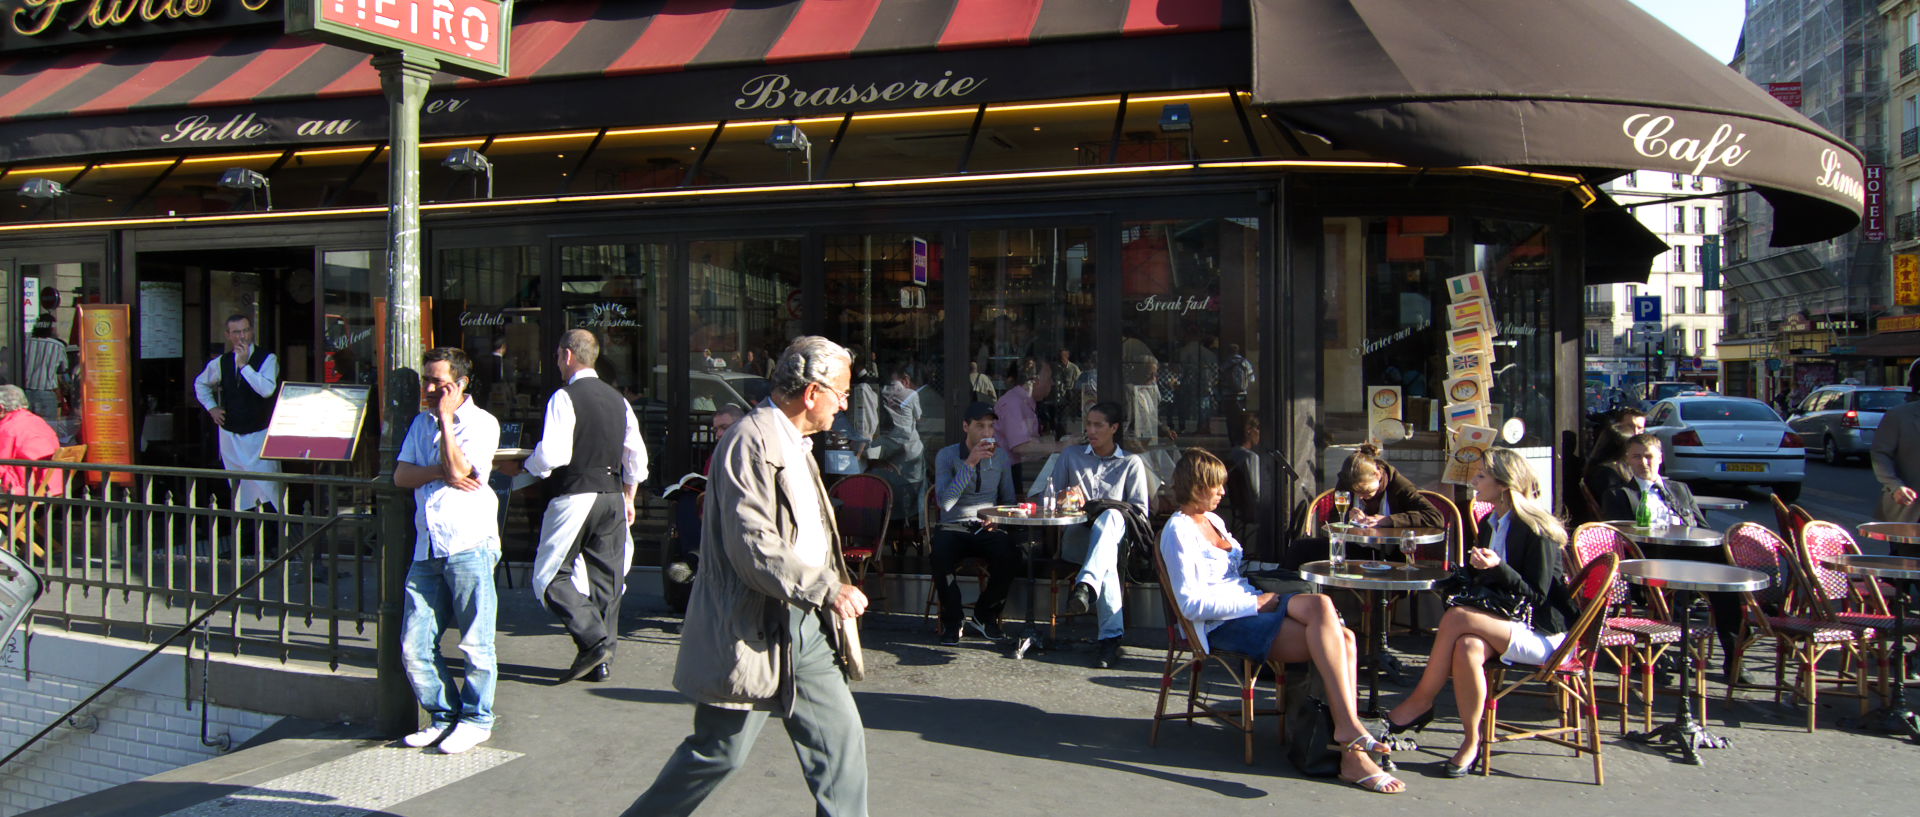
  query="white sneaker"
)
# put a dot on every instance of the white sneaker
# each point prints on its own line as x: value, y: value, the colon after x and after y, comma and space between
x: 463, y: 737
x: 425, y: 737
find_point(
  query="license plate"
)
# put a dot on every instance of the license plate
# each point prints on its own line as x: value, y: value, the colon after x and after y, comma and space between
x: 1745, y: 467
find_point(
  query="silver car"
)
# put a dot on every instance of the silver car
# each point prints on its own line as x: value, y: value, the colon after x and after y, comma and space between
x: 1839, y: 421
x: 1711, y: 438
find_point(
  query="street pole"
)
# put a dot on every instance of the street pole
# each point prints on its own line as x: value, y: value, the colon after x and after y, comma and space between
x: 405, y: 82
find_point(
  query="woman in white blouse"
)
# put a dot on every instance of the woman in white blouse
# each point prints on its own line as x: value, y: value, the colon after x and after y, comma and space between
x: 1203, y: 566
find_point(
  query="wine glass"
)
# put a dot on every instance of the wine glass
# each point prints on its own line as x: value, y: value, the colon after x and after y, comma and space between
x: 1342, y: 500
x: 1408, y: 549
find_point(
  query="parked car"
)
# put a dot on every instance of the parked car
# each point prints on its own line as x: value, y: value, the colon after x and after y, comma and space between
x: 1839, y: 421
x: 1712, y: 438
x: 1645, y: 395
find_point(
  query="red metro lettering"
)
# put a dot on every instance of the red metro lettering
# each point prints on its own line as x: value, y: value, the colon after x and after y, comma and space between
x: 462, y: 25
x: 773, y: 91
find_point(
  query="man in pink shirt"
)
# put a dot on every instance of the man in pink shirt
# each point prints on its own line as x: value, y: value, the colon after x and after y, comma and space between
x: 1017, y: 431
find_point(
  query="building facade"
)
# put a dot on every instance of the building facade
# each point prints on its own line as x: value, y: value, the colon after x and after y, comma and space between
x: 1684, y: 211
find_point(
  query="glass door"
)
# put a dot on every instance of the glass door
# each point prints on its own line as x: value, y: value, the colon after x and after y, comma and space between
x: 347, y: 350
x: 617, y: 291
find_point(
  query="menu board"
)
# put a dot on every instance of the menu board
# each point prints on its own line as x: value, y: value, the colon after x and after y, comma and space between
x: 316, y: 421
x: 106, y: 388
x: 161, y: 326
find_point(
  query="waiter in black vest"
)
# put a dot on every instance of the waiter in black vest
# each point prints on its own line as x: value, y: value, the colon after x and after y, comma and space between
x: 590, y: 447
x: 237, y: 389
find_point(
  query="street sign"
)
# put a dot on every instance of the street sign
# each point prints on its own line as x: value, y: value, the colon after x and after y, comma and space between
x: 466, y: 37
x: 1648, y: 332
x: 1646, y: 308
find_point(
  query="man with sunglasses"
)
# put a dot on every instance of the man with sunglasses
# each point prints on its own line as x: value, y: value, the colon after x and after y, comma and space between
x: 590, y: 448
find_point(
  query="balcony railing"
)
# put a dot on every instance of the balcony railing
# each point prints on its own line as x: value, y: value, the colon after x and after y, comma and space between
x: 1599, y: 309
x: 1909, y: 142
x: 1909, y: 59
x: 1904, y: 225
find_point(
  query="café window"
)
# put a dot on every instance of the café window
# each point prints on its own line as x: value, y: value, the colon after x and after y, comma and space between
x: 1517, y: 259
x: 1031, y: 315
x: 488, y: 303
x: 1383, y: 286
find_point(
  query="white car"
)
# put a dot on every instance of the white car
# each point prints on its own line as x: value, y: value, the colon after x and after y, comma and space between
x: 1711, y: 438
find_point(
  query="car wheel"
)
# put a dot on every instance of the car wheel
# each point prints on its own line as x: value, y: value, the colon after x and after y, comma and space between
x: 1787, y: 491
x: 1830, y: 452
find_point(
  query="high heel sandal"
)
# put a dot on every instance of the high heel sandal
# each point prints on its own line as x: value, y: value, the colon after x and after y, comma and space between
x: 1380, y: 749
x: 1378, y: 782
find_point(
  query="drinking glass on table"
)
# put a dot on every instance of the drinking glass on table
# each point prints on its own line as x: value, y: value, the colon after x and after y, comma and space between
x: 1342, y: 500
x: 1408, y: 549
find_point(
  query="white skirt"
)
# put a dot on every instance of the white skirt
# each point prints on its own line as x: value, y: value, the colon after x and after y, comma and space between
x: 1528, y: 646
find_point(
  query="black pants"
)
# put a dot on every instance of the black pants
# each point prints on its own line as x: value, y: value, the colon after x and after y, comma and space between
x: 594, y: 619
x: 1003, y: 564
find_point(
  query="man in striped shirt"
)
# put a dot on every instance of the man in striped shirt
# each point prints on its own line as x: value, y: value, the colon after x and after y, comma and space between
x: 46, y: 361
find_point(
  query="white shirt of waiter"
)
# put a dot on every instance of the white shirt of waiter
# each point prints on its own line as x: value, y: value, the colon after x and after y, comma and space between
x: 556, y: 439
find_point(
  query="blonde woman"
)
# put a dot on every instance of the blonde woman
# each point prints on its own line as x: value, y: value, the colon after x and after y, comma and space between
x: 1203, y: 566
x: 1517, y: 555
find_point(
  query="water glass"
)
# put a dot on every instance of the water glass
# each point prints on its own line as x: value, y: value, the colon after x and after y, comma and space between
x: 1336, y: 552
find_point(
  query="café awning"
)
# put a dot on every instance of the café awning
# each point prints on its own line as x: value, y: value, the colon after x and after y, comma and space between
x: 1594, y: 84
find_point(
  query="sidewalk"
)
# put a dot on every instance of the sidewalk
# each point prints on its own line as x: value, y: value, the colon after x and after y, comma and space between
x: 964, y: 730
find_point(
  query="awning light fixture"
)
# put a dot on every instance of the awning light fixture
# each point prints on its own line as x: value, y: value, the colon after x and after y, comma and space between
x: 42, y: 189
x: 252, y: 181
x: 468, y: 160
x: 789, y: 137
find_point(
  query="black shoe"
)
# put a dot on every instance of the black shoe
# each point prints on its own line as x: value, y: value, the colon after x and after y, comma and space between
x: 950, y: 636
x: 601, y: 673
x: 588, y: 660
x: 680, y: 573
x: 1447, y: 769
x: 1109, y: 652
x: 1080, y: 599
x: 1416, y: 725
x: 1731, y: 677
x: 989, y: 630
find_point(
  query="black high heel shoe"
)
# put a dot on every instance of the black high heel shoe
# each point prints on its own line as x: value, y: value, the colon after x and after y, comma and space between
x: 1416, y: 725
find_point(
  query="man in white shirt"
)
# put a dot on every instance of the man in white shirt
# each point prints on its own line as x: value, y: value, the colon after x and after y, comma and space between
x: 237, y: 390
x: 590, y: 448
x: 445, y: 459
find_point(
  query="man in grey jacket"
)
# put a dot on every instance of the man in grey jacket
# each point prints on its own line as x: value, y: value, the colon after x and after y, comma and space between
x: 762, y: 632
x: 1896, y: 460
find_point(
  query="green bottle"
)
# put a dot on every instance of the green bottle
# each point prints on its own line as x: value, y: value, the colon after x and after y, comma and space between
x: 1644, y: 516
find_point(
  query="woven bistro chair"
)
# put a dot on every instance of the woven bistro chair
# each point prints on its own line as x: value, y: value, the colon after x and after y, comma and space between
x: 1632, y: 639
x: 865, y: 509
x: 1833, y: 597
x: 1184, y: 657
x: 1771, y: 613
x: 1568, y: 674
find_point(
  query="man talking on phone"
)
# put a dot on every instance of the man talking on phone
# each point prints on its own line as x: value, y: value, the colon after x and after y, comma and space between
x: 968, y: 478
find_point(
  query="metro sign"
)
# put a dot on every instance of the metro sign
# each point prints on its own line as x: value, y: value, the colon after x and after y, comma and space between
x: 466, y: 37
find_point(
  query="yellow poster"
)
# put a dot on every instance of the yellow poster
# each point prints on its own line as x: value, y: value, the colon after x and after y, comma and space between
x: 106, y: 387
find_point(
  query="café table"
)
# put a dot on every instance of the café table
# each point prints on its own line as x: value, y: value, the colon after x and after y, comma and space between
x: 1688, y: 578
x: 1378, y: 579
x: 1050, y: 525
x: 1896, y: 717
x: 1672, y: 536
x: 1718, y: 503
x: 1902, y: 537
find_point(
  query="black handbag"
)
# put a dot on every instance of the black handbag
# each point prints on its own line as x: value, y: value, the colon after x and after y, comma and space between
x: 1498, y: 601
x: 1310, y: 744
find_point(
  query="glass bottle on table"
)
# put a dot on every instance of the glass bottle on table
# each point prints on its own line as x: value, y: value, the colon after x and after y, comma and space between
x: 1049, y: 504
x: 1643, y: 516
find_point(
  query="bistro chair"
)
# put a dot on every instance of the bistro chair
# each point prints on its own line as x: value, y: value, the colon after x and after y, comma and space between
x: 1184, y: 657
x: 863, y: 509
x: 1833, y: 597
x: 1568, y: 674
x: 972, y: 567
x: 26, y: 519
x: 1447, y: 553
x: 1797, y: 637
x: 1632, y: 640
x: 1319, y: 513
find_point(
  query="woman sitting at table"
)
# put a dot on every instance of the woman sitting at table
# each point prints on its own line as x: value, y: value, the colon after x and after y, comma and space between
x: 1516, y: 556
x: 1382, y: 497
x: 1204, y: 568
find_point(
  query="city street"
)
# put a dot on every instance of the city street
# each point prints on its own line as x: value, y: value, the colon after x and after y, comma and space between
x: 1844, y: 495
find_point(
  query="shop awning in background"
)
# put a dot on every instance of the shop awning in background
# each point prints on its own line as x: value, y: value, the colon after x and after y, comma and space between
x: 1587, y: 84
x: 1619, y: 249
x: 1885, y: 344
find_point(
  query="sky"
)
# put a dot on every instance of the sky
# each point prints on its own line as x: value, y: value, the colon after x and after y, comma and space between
x: 1714, y: 25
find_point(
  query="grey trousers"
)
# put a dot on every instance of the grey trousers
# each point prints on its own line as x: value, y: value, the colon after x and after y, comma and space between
x: 825, y: 728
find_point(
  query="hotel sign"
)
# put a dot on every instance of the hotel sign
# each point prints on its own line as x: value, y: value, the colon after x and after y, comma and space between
x: 466, y: 37
x: 32, y: 24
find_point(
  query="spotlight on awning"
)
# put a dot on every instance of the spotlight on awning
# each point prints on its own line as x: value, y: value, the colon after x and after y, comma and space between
x: 1176, y: 117
x: 43, y: 189
x: 788, y: 137
x: 252, y: 181
x: 468, y: 160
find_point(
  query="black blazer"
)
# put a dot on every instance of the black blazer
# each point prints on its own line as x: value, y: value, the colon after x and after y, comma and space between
x: 1532, y: 570
x: 1623, y: 502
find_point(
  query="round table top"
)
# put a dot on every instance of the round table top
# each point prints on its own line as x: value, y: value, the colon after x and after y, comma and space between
x: 1675, y: 535
x: 1385, y: 536
x: 1719, y: 503
x: 1356, y: 575
x: 1685, y: 574
x: 1905, y: 533
x: 1011, y: 515
x: 1883, y: 567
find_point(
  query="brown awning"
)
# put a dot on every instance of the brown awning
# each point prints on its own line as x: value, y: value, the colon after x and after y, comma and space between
x: 1588, y: 84
x: 1619, y: 249
x: 1885, y: 344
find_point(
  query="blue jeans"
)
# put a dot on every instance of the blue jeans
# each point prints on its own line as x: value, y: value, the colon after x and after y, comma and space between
x: 455, y: 590
x: 1102, y: 570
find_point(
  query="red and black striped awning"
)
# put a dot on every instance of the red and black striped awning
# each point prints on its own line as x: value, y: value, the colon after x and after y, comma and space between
x: 583, y: 39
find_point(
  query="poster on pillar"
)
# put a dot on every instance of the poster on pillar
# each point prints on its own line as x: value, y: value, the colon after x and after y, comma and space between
x: 106, y: 387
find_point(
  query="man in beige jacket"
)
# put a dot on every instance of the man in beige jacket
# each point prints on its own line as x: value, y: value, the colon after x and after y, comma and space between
x: 762, y: 632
